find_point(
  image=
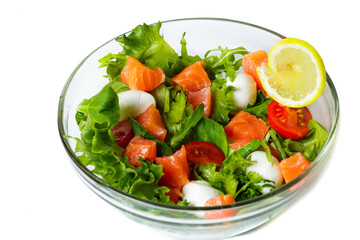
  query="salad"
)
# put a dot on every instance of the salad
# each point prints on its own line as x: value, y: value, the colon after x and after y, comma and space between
x: 190, y: 130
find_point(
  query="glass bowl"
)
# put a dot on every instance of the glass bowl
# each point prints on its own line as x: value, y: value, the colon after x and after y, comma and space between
x: 188, y: 222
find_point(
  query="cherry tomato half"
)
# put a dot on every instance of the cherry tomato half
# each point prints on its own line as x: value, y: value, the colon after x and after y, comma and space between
x: 289, y: 122
x: 123, y: 133
x: 204, y: 152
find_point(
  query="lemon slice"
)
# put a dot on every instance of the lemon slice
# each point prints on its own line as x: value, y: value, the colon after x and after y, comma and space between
x: 295, y: 76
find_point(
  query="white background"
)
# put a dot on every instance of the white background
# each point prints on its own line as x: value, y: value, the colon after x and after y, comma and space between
x: 41, y: 42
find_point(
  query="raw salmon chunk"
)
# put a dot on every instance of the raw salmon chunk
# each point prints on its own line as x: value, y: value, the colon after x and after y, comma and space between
x: 243, y: 128
x: 140, y: 147
x: 253, y: 60
x: 152, y: 121
x: 201, y: 96
x: 141, y: 77
x: 176, y: 169
x: 193, y: 78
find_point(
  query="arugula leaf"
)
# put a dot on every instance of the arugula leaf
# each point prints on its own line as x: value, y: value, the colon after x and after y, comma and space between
x: 211, y: 131
x: 162, y: 148
x: 259, y: 108
x: 222, y: 103
x: 243, y: 152
x: 186, y: 126
x: 224, y: 63
x: 308, y: 145
x: 147, y: 45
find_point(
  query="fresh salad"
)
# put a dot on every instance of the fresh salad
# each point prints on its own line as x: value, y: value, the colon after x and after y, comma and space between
x: 190, y: 130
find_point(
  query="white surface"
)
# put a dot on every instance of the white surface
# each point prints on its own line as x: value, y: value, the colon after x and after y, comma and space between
x: 43, y: 41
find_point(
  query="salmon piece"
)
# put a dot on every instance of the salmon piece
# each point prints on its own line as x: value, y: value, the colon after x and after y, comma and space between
x: 140, y: 147
x: 244, y: 128
x: 193, y: 78
x: 175, y: 168
x: 220, y: 201
x: 201, y: 96
x: 253, y: 60
x: 141, y: 77
x: 293, y: 166
x: 152, y: 121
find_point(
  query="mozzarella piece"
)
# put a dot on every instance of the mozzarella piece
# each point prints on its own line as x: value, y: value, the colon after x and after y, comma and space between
x: 198, y: 192
x: 246, y: 90
x: 133, y: 103
x: 266, y: 169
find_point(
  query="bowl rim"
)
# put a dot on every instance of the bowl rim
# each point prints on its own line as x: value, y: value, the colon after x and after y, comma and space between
x: 284, y: 187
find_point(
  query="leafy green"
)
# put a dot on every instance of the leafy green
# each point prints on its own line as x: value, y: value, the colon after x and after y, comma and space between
x: 162, y: 97
x: 222, y: 103
x: 232, y: 178
x: 114, y: 63
x: 98, y: 149
x: 185, y: 127
x: 118, y: 86
x: 313, y: 141
x: 103, y: 108
x: 259, y: 108
x: 149, y: 47
x: 176, y: 106
x: 146, y: 182
x: 211, y: 131
x: 162, y: 148
x: 243, y: 152
x: 308, y: 145
x: 226, y: 62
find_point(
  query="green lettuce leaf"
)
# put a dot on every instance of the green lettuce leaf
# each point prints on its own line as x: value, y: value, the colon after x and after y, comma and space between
x: 145, y: 183
x: 114, y: 63
x: 103, y: 108
x: 222, y: 103
x: 149, y: 47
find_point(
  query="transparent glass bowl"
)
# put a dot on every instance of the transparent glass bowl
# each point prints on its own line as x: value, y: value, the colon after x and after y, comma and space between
x: 188, y: 222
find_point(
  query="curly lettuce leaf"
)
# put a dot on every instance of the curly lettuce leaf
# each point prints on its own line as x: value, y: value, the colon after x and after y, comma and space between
x: 145, y: 183
x: 232, y: 178
x: 114, y: 63
x: 103, y: 108
x: 222, y: 103
x: 149, y: 47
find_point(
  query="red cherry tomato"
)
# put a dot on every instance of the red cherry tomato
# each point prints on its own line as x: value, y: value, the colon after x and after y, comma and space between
x: 123, y: 133
x: 204, y: 152
x: 289, y: 122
